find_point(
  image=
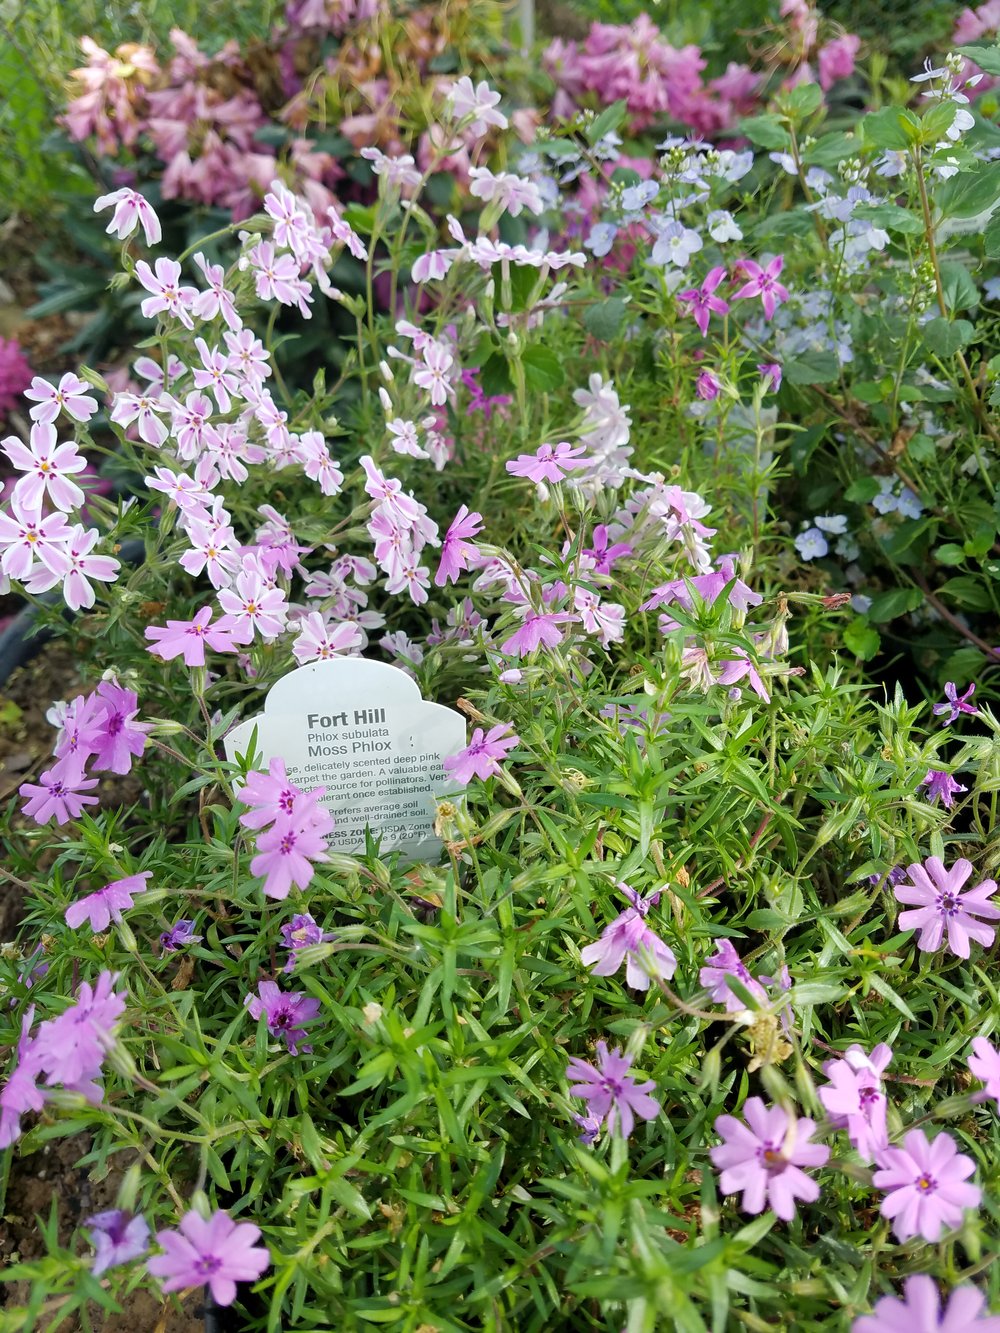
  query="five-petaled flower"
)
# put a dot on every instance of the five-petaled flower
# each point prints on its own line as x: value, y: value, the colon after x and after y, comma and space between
x: 612, y: 1095
x: 763, y: 282
x: 926, y: 1184
x: 955, y: 703
x: 944, y: 908
x: 215, y: 1252
x: 764, y: 1158
x: 920, y: 1311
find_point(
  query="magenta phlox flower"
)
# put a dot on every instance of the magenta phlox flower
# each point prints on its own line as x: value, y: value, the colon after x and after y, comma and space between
x: 955, y: 703
x: 920, y: 1309
x: 941, y: 786
x: 771, y: 372
x: 118, y: 1237
x: 272, y: 794
x: 179, y: 936
x: 630, y: 940
x: 590, y: 1128
x: 119, y: 738
x: 189, y: 638
x: 131, y: 210
x: 47, y: 466
x: 286, y: 851
x: 701, y: 301
x: 107, y: 904
x: 481, y: 757
x: 612, y: 1095
x: 287, y: 1012
x: 708, y: 386
x: 79, y: 732
x: 60, y: 794
x: 708, y: 587
x: 550, y: 462
x: 539, y: 629
x: 299, y: 933
x: 926, y: 1184
x: 854, y: 1099
x: 215, y: 1252
x: 763, y: 282
x: 944, y: 909
x: 764, y: 1158
x: 714, y: 976
x: 984, y: 1064
x: 457, y: 549
x: 604, y: 554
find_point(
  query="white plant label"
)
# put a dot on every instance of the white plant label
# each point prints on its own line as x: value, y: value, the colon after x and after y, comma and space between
x: 362, y: 730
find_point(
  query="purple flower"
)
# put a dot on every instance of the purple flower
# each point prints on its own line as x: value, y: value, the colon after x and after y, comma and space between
x: 59, y: 793
x: 188, y: 638
x: 984, y: 1064
x: 107, y: 904
x: 538, y: 628
x: 178, y: 936
x: 21, y: 1093
x: 708, y: 386
x: 723, y: 964
x: 920, y: 1311
x: 481, y: 757
x: 70, y: 1049
x: 117, y: 1237
x: 854, y: 1099
x: 941, y: 785
x: 925, y: 1184
x: 299, y: 933
x: 764, y: 1157
x: 763, y: 282
x: 270, y: 795
x: 550, y: 462
x: 218, y: 1252
x: 628, y: 937
x: 955, y: 703
x: 611, y: 1093
x: 943, y: 906
x: 590, y: 1127
x: 771, y: 370
x: 456, y: 549
x: 287, y: 1012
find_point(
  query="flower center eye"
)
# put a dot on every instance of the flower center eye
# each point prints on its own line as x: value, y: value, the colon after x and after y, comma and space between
x: 926, y: 1184
x: 207, y: 1264
x: 949, y: 904
x: 287, y: 843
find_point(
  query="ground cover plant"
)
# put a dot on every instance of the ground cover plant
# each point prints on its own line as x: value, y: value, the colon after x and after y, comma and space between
x: 645, y: 451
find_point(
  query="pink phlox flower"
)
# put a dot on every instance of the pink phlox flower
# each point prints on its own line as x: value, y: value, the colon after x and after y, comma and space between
x: 836, y: 59
x: 60, y: 793
x: 854, y: 1099
x: 941, y: 786
x: 388, y: 491
x: 301, y: 932
x: 252, y: 606
x: 320, y: 639
x: 550, y: 462
x: 512, y: 192
x: 80, y: 568
x: 286, y: 850
x: 287, y: 1012
x: 270, y: 795
x: 28, y: 536
x: 433, y: 265
x: 708, y: 386
x: 723, y: 964
x: 400, y: 172
x: 212, y: 549
x: 216, y: 299
x: 118, y: 1237
x: 107, y: 904
x: 709, y: 587
x: 277, y: 536
x: 944, y: 908
x: 926, y: 1185
x: 189, y: 638
x: 318, y: 463
x: 763, y: 282
x: 612, y: 1095
x: 771, y: 371
x: 630, y: 940
x: 984, y: 1064
x: 476, y: 104
x: 71, y: 1048
x: 72, y: 396
x: 764, y: 1158
x: 169, y: 294
x: 341, y: 233
x: 216, y: 1253
x: 605, y: 619
x: 701, y: 301
x: 457, y: 549
x: 79, y: 732
x: 404, y: 438
x: 540, y: 629
x: 955, y: 703
x: 920, y: 1311
x: 21, y: 1092
x: 481, y: 757
x: 736, y: 668
x: 131, y: 211
x: 189, y: 494
x: 290, y: 222
x: 434, y: 373
x: 604, y: 554
x: 248, y: 356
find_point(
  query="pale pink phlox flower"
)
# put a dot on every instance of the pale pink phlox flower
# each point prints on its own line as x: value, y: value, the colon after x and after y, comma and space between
x: 476, y: 103
x: 550, y: 462
x: 28, y: 536
x: 854, y: 1098
x: 72, y: 396
x: 131, y: 211
x: 926, y: 1184
x: 169, y: 294
x: 984, y: 1064
x: 217, y: 299
x: 920, y: 1311
x: 320, y: 639
x: 80, y: 567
